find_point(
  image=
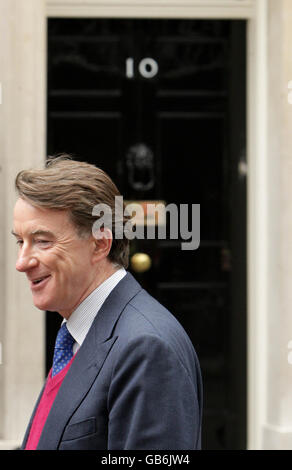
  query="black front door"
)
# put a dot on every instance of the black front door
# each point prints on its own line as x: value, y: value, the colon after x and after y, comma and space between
x: 160, y: 106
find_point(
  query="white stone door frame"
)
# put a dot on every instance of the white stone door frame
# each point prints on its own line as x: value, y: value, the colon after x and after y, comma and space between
x: 255, y: 12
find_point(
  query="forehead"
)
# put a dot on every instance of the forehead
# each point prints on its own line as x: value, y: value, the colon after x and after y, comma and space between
x: 27, y: 217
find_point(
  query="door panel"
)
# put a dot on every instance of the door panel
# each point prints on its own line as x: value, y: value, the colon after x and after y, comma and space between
x: 160, y: 106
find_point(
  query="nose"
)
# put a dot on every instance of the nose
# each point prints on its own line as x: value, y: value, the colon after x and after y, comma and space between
x: 25, y: 261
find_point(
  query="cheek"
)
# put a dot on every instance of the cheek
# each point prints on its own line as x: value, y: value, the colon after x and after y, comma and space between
x: 73, y: 261
x: 73, y: 265
x: 56, y: 263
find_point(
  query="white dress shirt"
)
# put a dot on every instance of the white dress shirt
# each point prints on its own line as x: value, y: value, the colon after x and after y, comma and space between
x: 82, y: 318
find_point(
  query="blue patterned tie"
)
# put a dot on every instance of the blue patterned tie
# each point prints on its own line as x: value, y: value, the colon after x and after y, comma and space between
x: 63, y: 352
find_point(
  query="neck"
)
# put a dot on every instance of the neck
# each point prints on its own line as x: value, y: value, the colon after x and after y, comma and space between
x: 103, y: 273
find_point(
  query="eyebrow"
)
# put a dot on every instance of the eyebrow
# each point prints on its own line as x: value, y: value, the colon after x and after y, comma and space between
x: 36, y: 232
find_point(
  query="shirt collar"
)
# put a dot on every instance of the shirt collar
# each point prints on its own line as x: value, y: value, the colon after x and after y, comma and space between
x: 82, y: 318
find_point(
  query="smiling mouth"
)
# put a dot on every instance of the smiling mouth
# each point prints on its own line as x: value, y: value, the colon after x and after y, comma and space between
x: 39, y: 280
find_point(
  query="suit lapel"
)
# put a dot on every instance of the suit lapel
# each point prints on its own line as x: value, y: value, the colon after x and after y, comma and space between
x: 87, y: 363
x: 72, y: 391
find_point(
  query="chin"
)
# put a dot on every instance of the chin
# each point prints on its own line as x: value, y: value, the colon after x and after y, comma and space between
x: 42, y: 305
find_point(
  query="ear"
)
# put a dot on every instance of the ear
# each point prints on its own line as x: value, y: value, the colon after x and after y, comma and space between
x: 102, y: 243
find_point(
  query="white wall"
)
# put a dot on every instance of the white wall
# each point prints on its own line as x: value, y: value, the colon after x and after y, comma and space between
x: 22, y: 144
x: 278, y: 418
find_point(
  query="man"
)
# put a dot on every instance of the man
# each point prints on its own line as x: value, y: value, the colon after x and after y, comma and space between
x: 125, y: 374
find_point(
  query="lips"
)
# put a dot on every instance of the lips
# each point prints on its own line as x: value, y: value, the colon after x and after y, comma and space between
x: 39, y: 281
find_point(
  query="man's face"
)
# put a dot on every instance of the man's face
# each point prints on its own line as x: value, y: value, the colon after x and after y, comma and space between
x: 58, y: 264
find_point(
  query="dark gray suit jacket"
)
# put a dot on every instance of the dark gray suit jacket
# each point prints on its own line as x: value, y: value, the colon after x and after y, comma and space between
x: 135, y: 382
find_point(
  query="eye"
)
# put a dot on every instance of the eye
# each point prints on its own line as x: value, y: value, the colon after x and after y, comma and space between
x: 42, y: 242
x: 19, y: 242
